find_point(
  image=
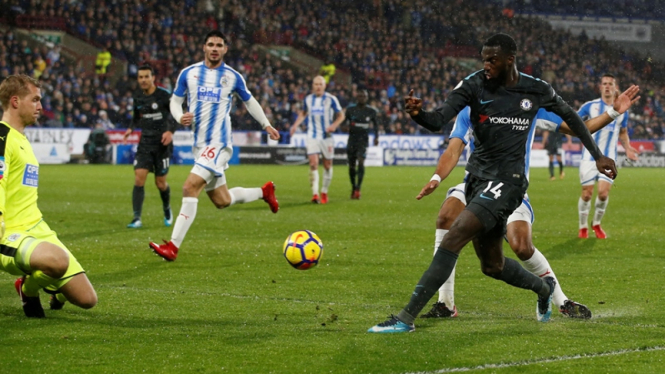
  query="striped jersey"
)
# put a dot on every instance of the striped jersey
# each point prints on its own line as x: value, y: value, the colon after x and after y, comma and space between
x: 209, y: 97
x: 608, y: 137
x: 320, y: 113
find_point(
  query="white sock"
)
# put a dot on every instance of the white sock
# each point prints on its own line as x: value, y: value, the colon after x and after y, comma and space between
x: 184, y: 220
x: 539, y: 266
x: 327, y: 178
x: 447, y: 290
x: 240, y: 195
x: 583, y: 207
x: 600, y: 210
x: 314, y: 181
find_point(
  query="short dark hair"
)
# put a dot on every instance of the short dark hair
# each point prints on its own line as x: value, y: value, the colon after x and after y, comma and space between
x: 215, y: 33
x: 148, y: 67
x: 608, y: 75
x: 503, y: 41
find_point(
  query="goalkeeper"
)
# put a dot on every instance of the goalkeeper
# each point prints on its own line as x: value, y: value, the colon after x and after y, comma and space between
x: 28, y: 247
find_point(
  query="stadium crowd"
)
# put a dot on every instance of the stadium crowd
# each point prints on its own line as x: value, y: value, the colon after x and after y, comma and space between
x: 388, y: 46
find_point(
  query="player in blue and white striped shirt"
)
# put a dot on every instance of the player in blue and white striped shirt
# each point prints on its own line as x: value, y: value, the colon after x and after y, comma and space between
x: 322, y: 115
x: 607, y: 142
x: 209, y: 86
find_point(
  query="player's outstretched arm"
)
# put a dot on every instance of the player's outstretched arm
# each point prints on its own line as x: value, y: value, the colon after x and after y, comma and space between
x: 622, y: 103
x: 447, y: 162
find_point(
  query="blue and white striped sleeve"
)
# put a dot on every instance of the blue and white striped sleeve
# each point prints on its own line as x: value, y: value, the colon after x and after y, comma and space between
x: 547, y: 120
x: 462, y: 127
x: 241, y: 88
x: 181, y: 84
x: 335, y: 104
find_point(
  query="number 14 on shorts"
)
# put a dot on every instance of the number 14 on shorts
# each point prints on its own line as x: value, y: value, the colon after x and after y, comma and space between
x: 496, y: 190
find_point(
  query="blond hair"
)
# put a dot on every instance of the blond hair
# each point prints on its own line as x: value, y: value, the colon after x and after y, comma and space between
x: 16, y: 85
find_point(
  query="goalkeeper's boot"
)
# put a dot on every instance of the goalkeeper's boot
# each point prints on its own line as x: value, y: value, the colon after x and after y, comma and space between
x: 392, y: 325
x: 32, y: 307
x: 167, y: 251
x: 54, y: 303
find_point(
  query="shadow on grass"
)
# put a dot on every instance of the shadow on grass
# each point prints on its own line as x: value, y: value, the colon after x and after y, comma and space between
x: 572, y: 246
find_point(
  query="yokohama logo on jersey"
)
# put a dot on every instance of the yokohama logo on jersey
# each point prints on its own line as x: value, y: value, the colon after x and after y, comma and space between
x: 508, y: 121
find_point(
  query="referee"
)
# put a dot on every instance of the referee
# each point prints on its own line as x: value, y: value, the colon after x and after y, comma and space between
x: 152, y: 115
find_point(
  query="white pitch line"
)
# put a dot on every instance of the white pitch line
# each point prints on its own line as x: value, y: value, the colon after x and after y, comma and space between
x: 541, y: 361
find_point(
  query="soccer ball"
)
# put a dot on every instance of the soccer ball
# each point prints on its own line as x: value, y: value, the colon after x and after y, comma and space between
x: 303, y: 249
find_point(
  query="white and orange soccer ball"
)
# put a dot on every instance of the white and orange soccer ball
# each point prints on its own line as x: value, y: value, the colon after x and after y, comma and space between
x: 303, y: 249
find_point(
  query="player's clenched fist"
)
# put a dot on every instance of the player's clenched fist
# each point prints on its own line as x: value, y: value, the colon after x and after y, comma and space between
x: 187, y: 118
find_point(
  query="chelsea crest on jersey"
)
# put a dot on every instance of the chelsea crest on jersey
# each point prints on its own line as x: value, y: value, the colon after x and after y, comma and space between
x: 209, y: 97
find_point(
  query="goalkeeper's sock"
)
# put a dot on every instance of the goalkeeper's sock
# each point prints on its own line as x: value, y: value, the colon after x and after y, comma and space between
x: 35, y: 281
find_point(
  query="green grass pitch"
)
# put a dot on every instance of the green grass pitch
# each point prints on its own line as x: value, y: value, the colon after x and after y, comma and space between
x: 232, y: 304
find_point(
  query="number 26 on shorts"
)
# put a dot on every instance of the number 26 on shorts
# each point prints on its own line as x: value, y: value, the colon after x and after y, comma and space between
x: 208, y: 152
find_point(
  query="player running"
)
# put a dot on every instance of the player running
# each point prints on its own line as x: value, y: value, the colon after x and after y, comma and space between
x: 322, y: 114
x: 607, y: 140
x: 503, y: 104
x: 519, y: 223
x: 208, y: 86
x: 359, y: 116
x: 153, y: 117
x: 28, y: 247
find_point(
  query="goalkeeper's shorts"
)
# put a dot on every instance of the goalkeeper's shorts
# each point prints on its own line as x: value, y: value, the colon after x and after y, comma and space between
x: 16, y: 248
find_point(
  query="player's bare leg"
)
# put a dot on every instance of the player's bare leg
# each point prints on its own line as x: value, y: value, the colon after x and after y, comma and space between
x: 138, y: 195
x: 600, y: 206
x: 583, y: 207
x: 314, y: 177
x: 445, y: 306
x: 165, y: 194
x: 79, y: 291
x: 327, y: 179
x: 520, y: 240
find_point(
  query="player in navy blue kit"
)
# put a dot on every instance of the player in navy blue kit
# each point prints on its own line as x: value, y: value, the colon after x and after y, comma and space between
x: 503, y: 105
x: 153, y: 116
x: 360, y: 116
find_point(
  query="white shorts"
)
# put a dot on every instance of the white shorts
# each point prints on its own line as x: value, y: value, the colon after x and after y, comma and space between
x: 524, y: 212
x: 324, y: 146
x: 210, y: 164
x: 589, y: 174
x: 458, y: 192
